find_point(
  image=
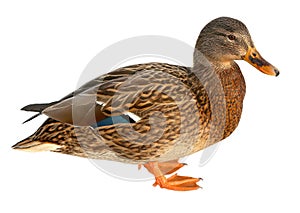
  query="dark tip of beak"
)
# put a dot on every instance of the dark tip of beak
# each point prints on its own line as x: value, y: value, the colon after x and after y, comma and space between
x: 276, y: 72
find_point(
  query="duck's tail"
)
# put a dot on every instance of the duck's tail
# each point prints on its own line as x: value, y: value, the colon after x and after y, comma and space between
x: 31, y: 145
x: 39, y: 141
x: 37, y: 108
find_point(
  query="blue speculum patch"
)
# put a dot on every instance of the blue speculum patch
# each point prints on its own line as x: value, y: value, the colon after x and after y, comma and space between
x: 114, y: 120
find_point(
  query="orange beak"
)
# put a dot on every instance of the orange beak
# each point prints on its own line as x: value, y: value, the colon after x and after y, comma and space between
x: 254, y: 58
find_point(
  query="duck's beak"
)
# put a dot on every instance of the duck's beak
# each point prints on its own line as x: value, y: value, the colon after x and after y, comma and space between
x: 254, y: 58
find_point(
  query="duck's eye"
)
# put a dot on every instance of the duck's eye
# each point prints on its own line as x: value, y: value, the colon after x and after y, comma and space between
x: 231, y: 37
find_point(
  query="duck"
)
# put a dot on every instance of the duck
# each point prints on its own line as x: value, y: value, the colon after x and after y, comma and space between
x: 153, y: 114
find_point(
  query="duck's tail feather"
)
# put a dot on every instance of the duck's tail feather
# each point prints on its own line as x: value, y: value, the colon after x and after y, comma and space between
x: 31, y: 145
x: 32, y: 117
x: 36, y: 108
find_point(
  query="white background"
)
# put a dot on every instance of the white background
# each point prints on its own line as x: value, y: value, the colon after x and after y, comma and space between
x: 44, y: 47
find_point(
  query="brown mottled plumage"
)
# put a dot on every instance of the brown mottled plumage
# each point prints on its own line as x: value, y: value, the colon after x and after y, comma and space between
x: 180, y: 110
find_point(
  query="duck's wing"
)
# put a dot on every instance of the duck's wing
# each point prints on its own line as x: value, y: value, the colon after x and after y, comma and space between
x: 134, y: 89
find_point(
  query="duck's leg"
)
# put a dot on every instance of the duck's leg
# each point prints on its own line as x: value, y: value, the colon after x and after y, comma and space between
x: 170, y: 167
x: 167, y: 167
x: 175, y: 182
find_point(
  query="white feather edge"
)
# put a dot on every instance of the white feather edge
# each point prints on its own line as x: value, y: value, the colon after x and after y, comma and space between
x: 133, y: 116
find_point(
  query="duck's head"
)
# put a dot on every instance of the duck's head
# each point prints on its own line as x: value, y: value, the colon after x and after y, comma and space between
x: 226, y: 39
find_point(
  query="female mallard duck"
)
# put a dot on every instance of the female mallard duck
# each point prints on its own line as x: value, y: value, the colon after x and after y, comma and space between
x: 155, y: 113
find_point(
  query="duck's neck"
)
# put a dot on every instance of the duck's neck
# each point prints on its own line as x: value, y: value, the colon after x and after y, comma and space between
x: 226, y: 87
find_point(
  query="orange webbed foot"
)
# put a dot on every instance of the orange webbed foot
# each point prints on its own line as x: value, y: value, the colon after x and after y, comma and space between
x: 175, y: 182
x: 178, y: 183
